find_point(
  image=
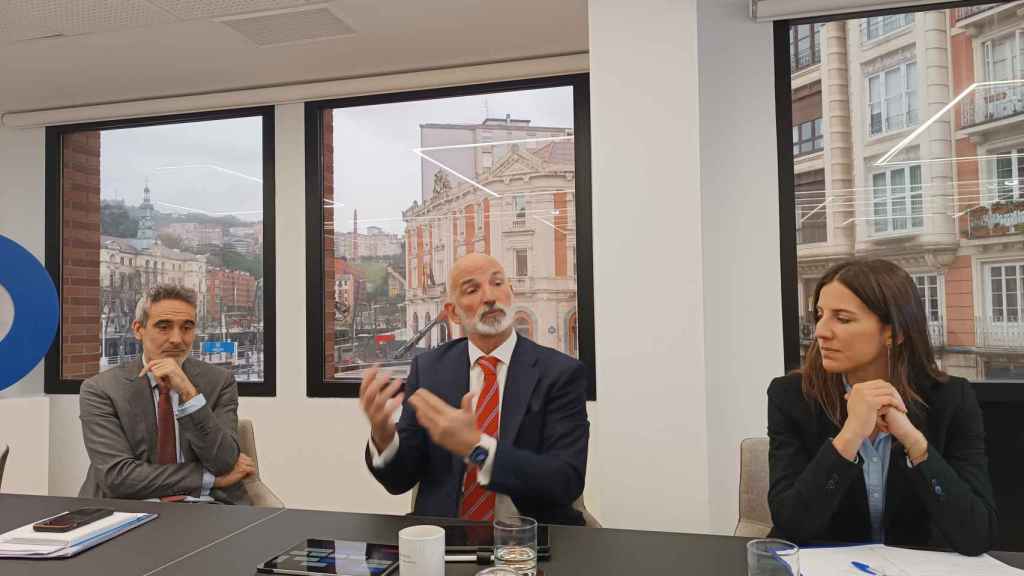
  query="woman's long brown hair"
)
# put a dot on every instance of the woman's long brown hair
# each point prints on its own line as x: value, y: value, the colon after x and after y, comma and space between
x: 889, y: 292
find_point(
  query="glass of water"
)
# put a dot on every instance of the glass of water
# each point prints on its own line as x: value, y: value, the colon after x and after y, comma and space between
x: 772, y: 557
x: 515, y: 544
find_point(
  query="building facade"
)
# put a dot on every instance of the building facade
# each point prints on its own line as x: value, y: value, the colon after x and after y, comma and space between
x: 519, y: 208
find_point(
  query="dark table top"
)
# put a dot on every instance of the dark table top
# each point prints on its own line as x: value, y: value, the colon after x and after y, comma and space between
x: 179, y: 530
x: 232, y: 540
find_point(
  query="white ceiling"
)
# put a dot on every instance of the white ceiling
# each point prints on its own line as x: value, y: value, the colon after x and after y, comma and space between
x: 57, y: 53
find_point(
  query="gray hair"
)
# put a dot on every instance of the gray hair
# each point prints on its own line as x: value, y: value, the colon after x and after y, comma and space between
x: 163, y: 292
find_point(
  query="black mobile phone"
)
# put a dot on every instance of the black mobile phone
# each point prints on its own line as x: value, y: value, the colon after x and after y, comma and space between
x: 70, y: 520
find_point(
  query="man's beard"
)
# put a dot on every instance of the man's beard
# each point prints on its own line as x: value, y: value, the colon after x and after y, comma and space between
x: 486, y: 327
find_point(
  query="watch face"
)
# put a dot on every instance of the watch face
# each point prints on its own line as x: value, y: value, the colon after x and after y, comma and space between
x: 478, y: 456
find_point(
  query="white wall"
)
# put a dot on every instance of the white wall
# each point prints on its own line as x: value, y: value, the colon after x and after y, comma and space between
x: 647, y: 264
x: 739, y: 187
x: 24, y: 412
x: 686, y: 281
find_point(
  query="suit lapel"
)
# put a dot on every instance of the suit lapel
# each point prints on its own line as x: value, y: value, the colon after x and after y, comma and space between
x: 519, y: 383
x: 140, y: 396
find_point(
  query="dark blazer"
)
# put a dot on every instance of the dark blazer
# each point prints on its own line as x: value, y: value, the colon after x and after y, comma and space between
x: 541, y: 459
x: 119, y: 429
x: 816, y: 495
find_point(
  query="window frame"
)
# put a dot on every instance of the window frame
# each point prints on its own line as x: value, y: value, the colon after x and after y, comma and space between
x: 908, y: 195
x: 317, y: 386
x: 907, y: 96
x: 53, y: 380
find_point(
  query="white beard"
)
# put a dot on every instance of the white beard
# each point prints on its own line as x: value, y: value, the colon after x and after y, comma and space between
x: 475, y: 325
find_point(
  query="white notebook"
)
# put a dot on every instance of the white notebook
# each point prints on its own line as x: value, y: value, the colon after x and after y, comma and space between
x: 898, y: 562
x: 24, y: 542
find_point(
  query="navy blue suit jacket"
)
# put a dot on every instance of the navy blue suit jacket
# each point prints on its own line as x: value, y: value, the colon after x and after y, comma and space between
x: 541, y: 459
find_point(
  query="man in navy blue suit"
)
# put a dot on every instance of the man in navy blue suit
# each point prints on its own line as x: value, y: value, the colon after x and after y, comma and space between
x: 495, y: 425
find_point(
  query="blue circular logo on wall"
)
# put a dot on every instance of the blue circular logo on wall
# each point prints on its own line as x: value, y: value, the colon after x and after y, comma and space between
x: 36, y: 312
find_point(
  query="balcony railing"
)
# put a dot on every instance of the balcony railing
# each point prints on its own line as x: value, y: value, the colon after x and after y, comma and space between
x: 964, y: 13
x: 992, y: 103
x: 999, y: 334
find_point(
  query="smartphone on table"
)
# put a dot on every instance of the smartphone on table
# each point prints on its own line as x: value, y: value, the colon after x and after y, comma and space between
x: 71, y: 520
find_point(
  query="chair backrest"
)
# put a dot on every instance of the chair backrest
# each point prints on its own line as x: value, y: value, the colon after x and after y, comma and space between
x: 247, y: 442
x: 755, y: 518
x: 259, y: 493
x: 3, y: 462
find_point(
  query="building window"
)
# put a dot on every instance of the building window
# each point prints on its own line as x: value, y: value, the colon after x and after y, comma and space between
x: 1009, y: 172
x: 458, y: 171
x: 811, y: 207
x: 805, y: 45
x: 808, y: 138
x: 928, y: 289
x: 897, y: 201
x: 521, y: 263
x: 877, y: 27
x: 519, y: 211
x: 523, y: 324
x: 892, y: 99
x: 163, y: 193
x: 1004, y: 293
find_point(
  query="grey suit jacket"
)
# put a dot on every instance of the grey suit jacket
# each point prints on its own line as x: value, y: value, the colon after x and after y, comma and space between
x: 120, y: 433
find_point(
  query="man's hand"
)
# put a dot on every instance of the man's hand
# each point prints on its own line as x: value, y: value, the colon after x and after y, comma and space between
x: 454, y: 429
x: 244, y: 467
x: 375, y: 398
x: 169, y: 374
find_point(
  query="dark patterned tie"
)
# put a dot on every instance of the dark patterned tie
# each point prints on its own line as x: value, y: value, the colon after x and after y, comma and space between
x: 166, y: 442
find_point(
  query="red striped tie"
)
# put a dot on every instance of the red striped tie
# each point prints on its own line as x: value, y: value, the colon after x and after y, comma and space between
x: 478, y: 502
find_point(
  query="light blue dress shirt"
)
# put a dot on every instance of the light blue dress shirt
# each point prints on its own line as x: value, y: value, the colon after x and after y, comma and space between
x: 180, y: 411
x: 875, y: 458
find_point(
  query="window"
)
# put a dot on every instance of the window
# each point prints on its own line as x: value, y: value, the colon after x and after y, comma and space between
x: 523, y: 324
x: 166, y: 194
x: 1004, y: 293
x: 403, y: 185
x: 811, y: 208
x: 1009, y: 172
x: 898, y: 203
x: 893, y: 99
x: 521, y: 269
x: 808, y: 138
x: 805, y: 45
x: 928, y: 289
x: 876, y: 27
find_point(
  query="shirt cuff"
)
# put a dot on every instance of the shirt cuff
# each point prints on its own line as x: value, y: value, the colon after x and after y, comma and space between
x: 207, y: 484
x: 381, y: 459
x: 483, y: 475
x: 197, y: 402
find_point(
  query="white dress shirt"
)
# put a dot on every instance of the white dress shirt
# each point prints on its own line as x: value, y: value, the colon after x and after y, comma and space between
x: 503, y: 506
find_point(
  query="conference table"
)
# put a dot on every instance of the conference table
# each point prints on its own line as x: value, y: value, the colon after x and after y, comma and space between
x: 190, y: 539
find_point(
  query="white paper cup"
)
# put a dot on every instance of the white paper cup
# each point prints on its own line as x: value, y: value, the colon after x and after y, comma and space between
x: 421, y: 551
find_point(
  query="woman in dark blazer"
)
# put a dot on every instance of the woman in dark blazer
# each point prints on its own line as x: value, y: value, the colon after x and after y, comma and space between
x: 870, y: 441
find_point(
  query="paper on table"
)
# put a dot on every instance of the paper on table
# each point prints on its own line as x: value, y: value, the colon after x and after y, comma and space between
x: 24, y: 542
x: 898, y: 562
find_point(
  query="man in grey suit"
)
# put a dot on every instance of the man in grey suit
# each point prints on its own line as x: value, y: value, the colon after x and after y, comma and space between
x: 165, y: 425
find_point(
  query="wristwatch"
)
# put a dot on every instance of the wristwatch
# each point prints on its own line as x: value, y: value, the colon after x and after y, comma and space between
x: 478, y: 455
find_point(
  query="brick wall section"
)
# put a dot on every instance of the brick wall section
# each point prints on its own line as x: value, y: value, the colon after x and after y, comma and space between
x: 487, y: 226
x: 470, y: 241
x: 561, y: 241
x: 80, y: 255
x: 329, y: 270
x: 960, y: 303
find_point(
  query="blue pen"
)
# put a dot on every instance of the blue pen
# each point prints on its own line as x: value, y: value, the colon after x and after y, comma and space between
x: 866, y: 569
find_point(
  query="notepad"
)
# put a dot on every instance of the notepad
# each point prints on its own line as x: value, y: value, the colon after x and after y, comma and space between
x: 24, y: 542
x: 898, y: 562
